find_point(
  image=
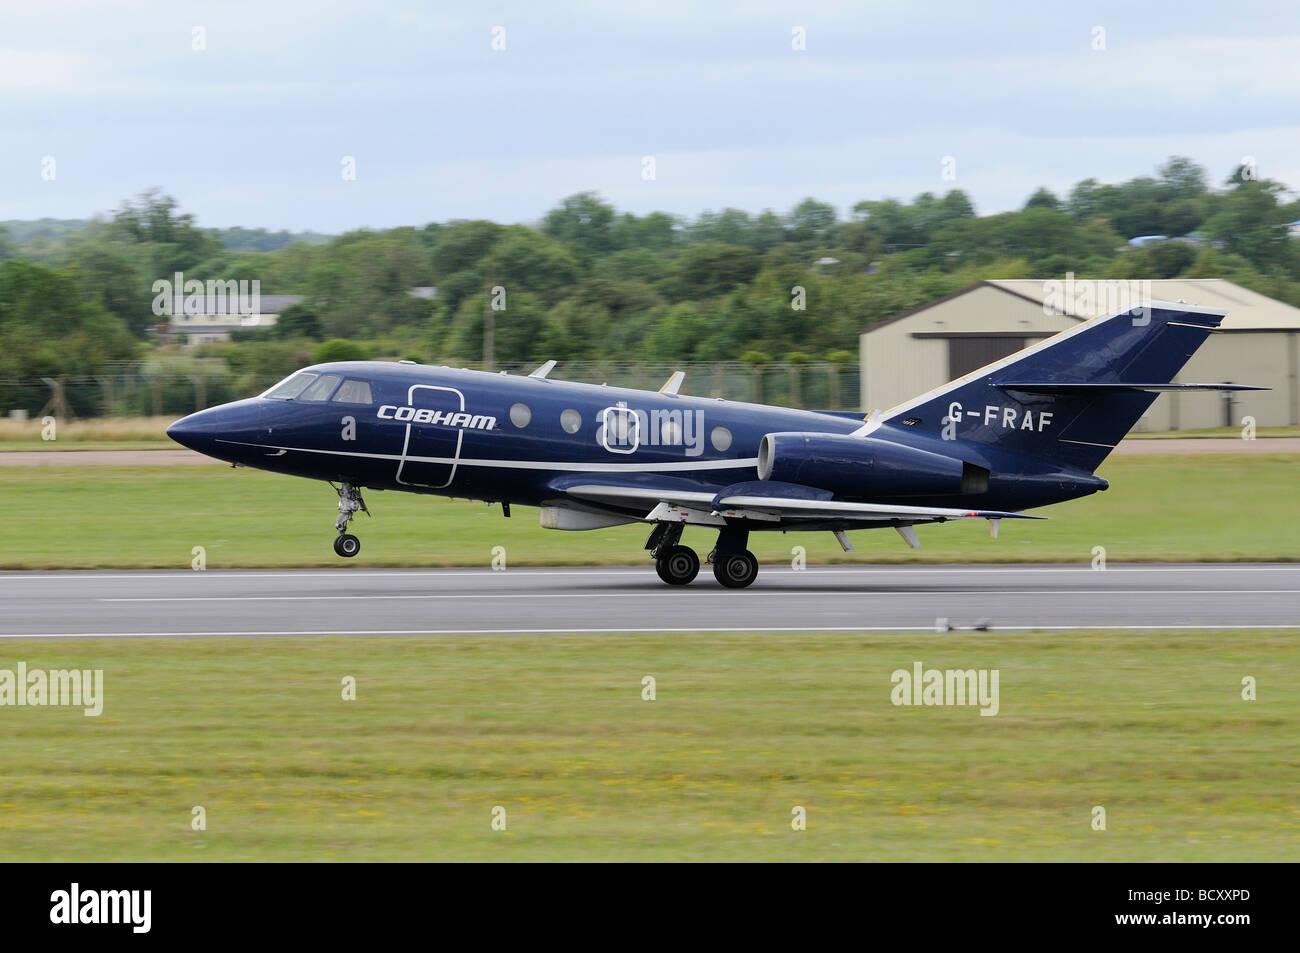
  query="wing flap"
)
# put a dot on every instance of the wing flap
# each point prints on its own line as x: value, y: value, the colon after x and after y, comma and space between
x: 782, y: 507
x: 866, y: 512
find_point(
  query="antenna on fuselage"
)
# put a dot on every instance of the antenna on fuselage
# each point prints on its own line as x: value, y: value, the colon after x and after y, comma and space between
x: 542, y: 371
x: 674, y: 383
x: 870, y: 424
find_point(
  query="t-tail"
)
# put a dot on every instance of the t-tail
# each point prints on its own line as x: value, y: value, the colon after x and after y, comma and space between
x: 1072, y: 397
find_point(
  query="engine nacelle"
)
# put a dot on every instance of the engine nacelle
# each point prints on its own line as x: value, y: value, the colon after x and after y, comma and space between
x: 858, y: 466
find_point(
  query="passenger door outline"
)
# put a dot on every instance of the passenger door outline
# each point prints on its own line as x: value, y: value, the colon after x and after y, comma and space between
x: 406, y: 442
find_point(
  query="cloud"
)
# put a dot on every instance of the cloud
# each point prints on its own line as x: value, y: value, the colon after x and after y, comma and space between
x: 51, y: 70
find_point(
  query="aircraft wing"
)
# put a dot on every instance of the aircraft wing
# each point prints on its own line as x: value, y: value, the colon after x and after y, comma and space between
x: 764, y: 502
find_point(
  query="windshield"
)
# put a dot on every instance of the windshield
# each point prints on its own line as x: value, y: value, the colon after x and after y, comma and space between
x: 291, y: 386
x: 321, y: 387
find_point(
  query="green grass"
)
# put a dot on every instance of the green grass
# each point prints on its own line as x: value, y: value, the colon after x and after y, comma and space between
x: 117, y: 432
x: 1202, y: 507
x: 1149, y: 726
x: 55, y: 446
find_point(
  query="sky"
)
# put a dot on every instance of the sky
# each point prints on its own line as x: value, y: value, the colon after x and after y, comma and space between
x: 247, y: 112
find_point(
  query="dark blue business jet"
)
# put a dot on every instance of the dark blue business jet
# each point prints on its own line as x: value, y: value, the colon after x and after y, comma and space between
x: 1025, y: 431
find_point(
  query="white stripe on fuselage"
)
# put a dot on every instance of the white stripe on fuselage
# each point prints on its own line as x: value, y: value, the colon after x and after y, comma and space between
x: 739, y: 464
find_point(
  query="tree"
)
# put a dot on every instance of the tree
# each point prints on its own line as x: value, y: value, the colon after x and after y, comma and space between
x: 583, y: 221
x: 525, y: 260
x: 1181, y: 178
x: 339, y: 349
x: 298, y: 321
x: 50, y: 327
x: 705, y: 271
x: 811, y: 221
x: 174, y: 243
x: 1043, y: 198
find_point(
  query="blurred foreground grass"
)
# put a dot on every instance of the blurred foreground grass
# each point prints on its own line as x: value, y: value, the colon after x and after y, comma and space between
x: 744, y: 728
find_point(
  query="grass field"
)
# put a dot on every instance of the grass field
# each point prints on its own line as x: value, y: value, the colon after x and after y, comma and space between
x: 1201, y: 507
x: 743, y: 729
x: 113, y: 431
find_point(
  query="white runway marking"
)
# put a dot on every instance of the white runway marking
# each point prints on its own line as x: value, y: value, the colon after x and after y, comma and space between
x: 697, y: 594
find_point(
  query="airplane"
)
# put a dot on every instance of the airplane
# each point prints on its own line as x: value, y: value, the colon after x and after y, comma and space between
x: 1025, y: 431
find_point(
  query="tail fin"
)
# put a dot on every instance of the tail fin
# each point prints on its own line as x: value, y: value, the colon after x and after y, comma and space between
x: 1073, y: 396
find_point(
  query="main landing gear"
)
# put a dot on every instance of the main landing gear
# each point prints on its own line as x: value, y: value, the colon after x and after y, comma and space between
x: 350, y: 501
x: 734, y: 566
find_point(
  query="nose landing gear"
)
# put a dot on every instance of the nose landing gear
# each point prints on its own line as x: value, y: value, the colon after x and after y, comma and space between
x: 350, y: 501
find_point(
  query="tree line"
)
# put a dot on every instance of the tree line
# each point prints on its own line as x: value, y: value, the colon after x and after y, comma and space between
x: 588, y: 283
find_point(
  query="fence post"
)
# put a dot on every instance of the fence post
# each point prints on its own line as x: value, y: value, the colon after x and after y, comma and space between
x: 106, y: 385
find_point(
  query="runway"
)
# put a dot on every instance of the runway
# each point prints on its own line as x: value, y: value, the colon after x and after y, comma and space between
x: 361, y: 602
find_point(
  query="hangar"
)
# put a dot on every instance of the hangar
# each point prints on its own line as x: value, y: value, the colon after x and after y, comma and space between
x: 1259, y: 343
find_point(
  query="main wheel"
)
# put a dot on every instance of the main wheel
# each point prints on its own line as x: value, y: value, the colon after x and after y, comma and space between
x: 678, y: 566
x: 347, y: 545
x: 735, y: 570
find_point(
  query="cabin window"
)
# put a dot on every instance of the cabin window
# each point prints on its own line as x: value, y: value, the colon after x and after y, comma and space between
x: 321, y: 387
x: 290, y: 387
x: 353, y: 391
x: 571, y: 420
x: 520, y: 415
x: 721, y: 439
x: 670, y: 433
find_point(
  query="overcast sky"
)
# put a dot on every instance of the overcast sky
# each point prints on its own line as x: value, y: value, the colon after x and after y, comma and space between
x: 253, y: 129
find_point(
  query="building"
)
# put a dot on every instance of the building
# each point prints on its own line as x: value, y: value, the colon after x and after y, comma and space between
x: 945, y: 339
x: 213, y: 317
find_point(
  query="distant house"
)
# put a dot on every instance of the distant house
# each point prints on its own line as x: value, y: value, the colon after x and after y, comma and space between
x: 1142, y: 240
x: 1294, y: 228
x: 212, y: 318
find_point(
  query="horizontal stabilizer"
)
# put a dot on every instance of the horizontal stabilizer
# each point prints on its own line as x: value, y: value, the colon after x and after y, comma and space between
x: 1101, y: 387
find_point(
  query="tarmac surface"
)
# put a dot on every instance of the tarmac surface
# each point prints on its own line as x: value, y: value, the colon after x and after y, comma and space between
x: 362, y: 602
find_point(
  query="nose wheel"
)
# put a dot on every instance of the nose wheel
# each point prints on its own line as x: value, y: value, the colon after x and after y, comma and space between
x: 347, y: 545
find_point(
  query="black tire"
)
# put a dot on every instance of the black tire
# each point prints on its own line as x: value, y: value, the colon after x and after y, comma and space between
x: 735, y: 570
x: 347, y: 545
x: 678, y: 566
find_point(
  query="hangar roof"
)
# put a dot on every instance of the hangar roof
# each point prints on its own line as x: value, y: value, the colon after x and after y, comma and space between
x: 1247, y: 310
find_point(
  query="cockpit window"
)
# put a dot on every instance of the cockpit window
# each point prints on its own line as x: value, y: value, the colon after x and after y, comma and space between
x: 321, y: 387
x: 353, y: 391
x: 291, y: 386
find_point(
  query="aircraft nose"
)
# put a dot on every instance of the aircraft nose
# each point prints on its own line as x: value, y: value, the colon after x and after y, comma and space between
x: 197, y: 431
